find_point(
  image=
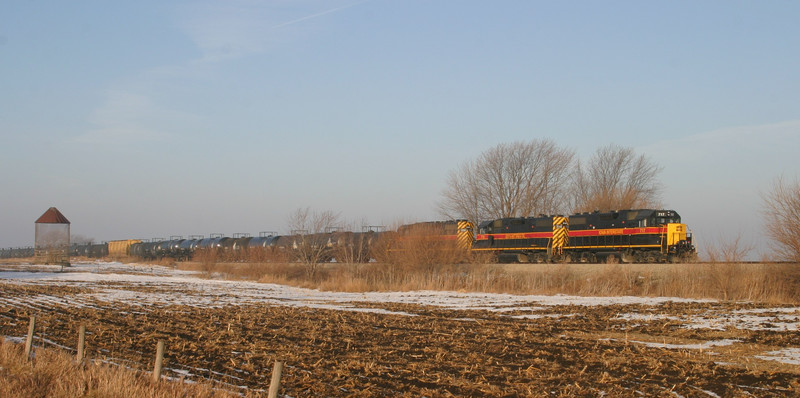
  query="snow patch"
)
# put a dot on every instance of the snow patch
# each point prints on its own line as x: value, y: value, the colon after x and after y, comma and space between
x: 789, y: 356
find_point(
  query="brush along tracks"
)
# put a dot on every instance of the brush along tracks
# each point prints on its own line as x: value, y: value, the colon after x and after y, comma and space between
x: 413, y: 350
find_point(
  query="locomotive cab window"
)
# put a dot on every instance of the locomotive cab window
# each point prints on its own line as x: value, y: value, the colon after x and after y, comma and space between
x: 664, y: 220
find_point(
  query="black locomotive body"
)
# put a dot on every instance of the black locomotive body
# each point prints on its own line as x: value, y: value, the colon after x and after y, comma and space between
x: 640, y: 235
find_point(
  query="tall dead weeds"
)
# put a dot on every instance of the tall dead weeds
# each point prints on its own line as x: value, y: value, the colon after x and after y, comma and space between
x: 768, y: 283
x: 54, y: 373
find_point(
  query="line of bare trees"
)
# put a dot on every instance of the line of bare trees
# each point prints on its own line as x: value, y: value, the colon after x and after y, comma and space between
x: 524, y: 179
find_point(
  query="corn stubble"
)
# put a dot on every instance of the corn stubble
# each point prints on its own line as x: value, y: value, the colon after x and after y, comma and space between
x: 571, y: 351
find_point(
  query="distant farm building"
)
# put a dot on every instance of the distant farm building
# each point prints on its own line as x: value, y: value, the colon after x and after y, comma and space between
x: 52, y: 238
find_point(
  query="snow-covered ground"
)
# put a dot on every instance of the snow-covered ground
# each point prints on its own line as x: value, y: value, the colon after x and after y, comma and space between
x: 116, y: 282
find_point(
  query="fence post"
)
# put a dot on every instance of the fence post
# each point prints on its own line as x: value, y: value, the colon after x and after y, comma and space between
x: 275, y: 384
x: 29, y: 340
x: 159, y: 361
x: 81, y: 343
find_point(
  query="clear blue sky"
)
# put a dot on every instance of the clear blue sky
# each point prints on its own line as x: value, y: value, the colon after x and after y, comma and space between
x: 147, y: 119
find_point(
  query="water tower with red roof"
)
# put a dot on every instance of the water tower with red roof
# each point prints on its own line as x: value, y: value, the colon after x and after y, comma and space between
x: 52, y: 238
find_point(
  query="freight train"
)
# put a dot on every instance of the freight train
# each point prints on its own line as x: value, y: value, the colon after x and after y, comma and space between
x: 637, y: 235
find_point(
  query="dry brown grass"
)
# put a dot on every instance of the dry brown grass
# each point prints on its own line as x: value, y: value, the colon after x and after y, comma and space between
x: 53, y: 373
x: 767, y: 283
x: 419, y: 247
x: 17, y: 261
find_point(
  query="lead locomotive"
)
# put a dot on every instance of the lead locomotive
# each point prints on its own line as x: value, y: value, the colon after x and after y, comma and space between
x: 642, y: 235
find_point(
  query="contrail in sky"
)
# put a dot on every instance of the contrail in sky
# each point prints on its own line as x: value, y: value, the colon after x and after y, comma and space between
x: 319, y: 14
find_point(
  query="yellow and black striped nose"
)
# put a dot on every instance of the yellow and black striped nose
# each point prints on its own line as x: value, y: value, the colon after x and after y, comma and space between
x: 560, y: 233
x: 465, y: 234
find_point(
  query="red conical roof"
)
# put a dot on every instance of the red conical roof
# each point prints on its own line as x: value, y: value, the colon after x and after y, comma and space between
x: 52, y: 216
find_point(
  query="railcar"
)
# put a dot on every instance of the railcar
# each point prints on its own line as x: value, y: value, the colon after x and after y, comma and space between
x: 348, y: 246
x: 147, y: 250
x: 97, y: 250
x: 640, y: 235
x: 79, y: 250
x: 214, y: 242
x: 164, y: 248
x: 263, y: 242
x: 17, y: 252
x: 241, y: 244
x: 120, y: 248
x: 186, y: 248
x: 459, y: 232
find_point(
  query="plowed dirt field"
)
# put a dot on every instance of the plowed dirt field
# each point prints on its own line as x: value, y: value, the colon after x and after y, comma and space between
x: 411, y: 344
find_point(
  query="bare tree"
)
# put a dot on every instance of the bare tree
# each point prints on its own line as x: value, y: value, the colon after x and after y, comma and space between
x: 510, y: 180
x: 615, y: 178
x: 350, y: 247
x: 729, y: 250
x: 80, y: 240
x: 312, y: 244
x: 462, y: 197
x: 782, y: 216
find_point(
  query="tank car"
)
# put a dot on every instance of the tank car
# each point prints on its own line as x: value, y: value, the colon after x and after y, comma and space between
x: 146, y: 250
x: 17, y: 252
x: 186, y: 248
x: 97, y: 250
